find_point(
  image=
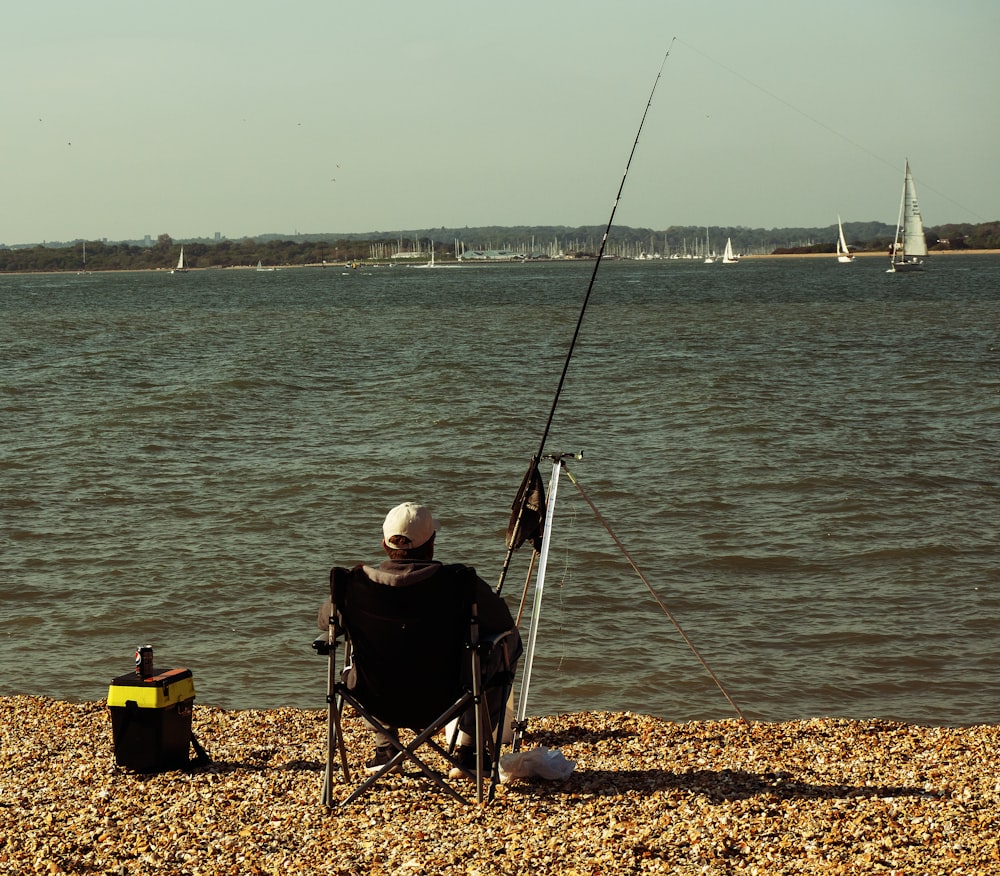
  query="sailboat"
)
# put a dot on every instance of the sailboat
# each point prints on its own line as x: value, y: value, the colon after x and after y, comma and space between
x: 262, y: 269
x: 83, y: 270
x: 429, y: 264
x: 180, y: 269
x: 728, y: 258
x: 843, y: 253
x: 910, y: 246
x: 709, y: 258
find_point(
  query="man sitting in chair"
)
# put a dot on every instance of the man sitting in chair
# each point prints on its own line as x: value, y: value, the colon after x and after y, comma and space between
x: 408, y: 534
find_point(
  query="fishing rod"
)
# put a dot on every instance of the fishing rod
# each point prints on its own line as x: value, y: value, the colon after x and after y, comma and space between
x: 530, y: 494
x: 600, y: 256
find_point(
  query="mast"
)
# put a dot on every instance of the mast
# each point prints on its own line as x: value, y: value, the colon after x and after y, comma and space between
x: 897, y: 249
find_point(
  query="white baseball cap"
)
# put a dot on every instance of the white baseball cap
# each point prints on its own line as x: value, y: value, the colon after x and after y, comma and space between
x: 411, y: 522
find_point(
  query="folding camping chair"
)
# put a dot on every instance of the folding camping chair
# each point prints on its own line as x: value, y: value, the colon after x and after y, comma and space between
x: 413, y: 660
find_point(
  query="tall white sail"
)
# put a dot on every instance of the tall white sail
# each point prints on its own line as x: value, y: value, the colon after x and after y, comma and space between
x: 180, y: 269
x: 914, y: 243
x: 909, y: 247
x: 843, y: 253
x: 729, y: 258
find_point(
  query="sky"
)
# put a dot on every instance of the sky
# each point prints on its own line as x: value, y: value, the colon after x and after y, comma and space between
x: 124, y: 119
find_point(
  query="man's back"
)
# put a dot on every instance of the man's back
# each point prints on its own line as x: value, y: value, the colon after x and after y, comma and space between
x: 409, y: 641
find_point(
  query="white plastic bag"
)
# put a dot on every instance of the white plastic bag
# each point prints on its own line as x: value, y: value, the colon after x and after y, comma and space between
x: 538, y: 763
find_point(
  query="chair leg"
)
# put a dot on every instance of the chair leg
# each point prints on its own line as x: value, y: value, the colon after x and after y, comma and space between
x: 482, y: 731
x: 407, y: 752
x: 488, y: 742
x: 403, y: 752
x: 332, y: 728
x: 334, y: 742
x: 496, y: 742
x: 493, y: 738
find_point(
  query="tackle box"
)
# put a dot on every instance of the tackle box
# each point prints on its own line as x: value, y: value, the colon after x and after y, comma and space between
x: 151, y: 720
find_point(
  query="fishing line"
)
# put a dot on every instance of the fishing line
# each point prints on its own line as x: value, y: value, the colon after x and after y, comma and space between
x: 654, y: 594
x: 891, y: 164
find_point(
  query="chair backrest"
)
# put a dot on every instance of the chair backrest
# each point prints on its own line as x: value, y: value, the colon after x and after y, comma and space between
x: 409, y: 644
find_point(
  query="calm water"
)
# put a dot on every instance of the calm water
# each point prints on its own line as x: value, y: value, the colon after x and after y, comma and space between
x: 802, y: 457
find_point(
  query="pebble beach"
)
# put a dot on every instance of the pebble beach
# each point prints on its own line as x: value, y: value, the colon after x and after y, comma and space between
x: 647, y: 796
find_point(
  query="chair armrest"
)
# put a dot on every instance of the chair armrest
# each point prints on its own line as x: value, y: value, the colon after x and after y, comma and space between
x: 501, y: 650
x: 488, y: 643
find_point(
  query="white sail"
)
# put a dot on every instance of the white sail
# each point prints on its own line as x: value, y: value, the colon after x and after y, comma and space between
x: 843, y: 253
x: 729, y: 258
x: 914, y: 242
x: 180, y: 269
x: 910, y: 245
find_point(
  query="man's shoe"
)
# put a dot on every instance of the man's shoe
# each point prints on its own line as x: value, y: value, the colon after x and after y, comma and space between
x: 383, y: 754
x: 466, y: 757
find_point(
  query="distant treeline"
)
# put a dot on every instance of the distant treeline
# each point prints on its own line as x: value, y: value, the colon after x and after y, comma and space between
x: 532, y: 241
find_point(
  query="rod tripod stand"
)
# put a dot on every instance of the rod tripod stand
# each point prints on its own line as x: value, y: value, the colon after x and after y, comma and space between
x: 558, y: 462
x: 558, y: 467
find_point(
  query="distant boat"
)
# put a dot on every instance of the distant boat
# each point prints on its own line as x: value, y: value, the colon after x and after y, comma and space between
x: 728, y: 258
x: 429, y: 264
x: 260, y: 267
x: 709, y: 258
x: 180, y: 269
x: 909, y: 246
x: 84, y: 270
x: 843, y: 253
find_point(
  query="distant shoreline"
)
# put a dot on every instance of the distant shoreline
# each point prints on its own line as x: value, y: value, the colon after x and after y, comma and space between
x: 477, y: 263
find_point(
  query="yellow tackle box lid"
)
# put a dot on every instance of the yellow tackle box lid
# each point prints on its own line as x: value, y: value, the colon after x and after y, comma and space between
x: 156, y: 692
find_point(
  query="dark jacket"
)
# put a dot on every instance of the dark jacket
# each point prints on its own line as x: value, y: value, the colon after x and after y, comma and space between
x: 494, y: 615
x: 408, y: 625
